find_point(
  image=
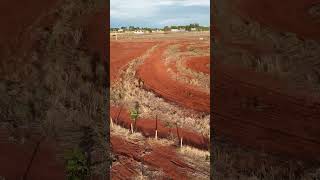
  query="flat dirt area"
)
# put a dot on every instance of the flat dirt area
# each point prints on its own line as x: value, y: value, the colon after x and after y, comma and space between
x: 174, y: 99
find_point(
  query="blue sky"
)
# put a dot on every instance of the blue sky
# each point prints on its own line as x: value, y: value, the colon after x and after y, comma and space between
x: 159, y: 13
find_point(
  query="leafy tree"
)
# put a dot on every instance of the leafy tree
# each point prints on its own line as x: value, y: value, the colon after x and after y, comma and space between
x: 174, y: 27
x: 166, y: 28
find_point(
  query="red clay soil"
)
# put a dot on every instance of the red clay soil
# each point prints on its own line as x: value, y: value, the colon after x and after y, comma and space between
x: 285, y: 15
x: 147, y: 128
x: 262, y: 113
x: 126, y: 168
x: 184, y: 46
x: 17, y: 16
x: 16, y: 23
x: 15, y: 159
x: 161, y: 157
x: 154, y: 74
x: 199, y: 64
x: 121, y: 53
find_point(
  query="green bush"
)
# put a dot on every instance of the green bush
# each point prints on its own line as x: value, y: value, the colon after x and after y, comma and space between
x: 76, y: 165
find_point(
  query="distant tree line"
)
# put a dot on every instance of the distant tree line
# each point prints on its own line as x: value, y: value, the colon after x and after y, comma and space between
x: 189, y: 27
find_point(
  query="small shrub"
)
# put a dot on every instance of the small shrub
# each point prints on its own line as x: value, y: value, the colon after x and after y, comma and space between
x: 76, y: 165
x: 134, y: 114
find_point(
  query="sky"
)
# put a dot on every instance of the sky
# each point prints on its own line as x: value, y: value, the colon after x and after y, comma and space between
x: 159, y: 13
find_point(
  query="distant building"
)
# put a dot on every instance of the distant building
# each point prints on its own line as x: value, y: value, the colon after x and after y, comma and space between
x: 193, y: 29
x: 157, y: 31
x: 175, y: 30
x: 120, y: 30
x: 138, y: 32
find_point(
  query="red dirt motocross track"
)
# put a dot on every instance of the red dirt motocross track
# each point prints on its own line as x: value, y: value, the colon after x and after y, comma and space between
x: 154, y: 74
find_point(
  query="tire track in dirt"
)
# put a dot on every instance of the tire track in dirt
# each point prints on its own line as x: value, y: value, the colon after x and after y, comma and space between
x: 194, y: 74
x: 153, y: 73
x: 123, y: 52
x: 160, y: 157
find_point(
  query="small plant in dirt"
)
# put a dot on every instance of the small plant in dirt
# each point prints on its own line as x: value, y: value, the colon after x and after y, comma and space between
x: 77, y: 167
x: 134, y: 114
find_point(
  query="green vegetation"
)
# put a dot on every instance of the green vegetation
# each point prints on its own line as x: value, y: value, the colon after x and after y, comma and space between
x: 77, y: 167
x: 190, y: 27
x: 134, y: 114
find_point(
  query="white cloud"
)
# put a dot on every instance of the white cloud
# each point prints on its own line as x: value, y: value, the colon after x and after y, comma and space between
x: 121, y: 9
x: 173, y: 21
x: 185, y: 2
x: 131, y: 8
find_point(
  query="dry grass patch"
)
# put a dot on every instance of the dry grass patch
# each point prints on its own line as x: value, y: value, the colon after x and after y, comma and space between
x: 233, y: 162
x: 197, y: 159
x: 282, y: 55
x: 117, y: 130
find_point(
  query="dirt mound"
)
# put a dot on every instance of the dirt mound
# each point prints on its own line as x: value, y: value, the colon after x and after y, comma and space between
x: 154, y: 74
x: 147, y: 128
